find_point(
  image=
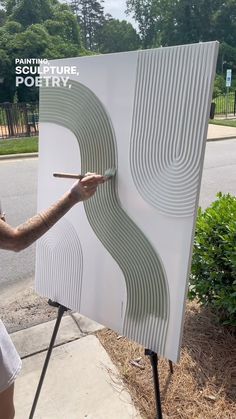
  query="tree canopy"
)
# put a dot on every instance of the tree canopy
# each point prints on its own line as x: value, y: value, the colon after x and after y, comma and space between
x: 51, y: 29
x: 90, y: 15
x: 175, y: 22
x: 29, y: 12
x: 34, y: 29
x: 117, y: 36
x: 171, y: 22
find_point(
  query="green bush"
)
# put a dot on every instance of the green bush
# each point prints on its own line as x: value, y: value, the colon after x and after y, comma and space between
x: 213, y: 274
x: 219, y: 86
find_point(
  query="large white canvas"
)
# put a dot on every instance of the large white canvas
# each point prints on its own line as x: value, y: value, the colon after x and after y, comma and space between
x: 123, y: 257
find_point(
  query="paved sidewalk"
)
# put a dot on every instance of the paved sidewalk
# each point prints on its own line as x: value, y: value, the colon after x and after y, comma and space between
x: 220, y: 132
x: 81, y: 381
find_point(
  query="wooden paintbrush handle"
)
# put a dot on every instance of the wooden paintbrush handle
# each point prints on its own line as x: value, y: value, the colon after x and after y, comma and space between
x: 68, y: 176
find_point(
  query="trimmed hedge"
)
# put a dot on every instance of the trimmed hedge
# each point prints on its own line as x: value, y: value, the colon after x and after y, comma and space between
x: 213, y: 274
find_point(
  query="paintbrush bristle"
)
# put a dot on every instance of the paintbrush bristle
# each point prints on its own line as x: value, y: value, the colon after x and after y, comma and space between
x: 110, y: 172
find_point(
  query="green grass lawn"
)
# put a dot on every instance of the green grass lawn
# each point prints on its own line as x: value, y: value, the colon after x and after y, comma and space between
x: 19, y: 145
x: 226, y: 122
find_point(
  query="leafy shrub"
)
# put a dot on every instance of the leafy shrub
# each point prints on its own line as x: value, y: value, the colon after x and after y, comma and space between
x: 213, y: 275
x: 219, y: 86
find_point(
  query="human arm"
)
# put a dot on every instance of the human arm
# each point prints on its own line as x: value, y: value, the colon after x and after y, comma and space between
x: 24, y: 235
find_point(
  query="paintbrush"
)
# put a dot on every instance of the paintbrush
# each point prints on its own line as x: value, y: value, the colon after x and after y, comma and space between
x: 109, y: 173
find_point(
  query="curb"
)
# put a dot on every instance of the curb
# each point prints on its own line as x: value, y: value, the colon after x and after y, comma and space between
x: 18, y: 156
x: 221, y: 139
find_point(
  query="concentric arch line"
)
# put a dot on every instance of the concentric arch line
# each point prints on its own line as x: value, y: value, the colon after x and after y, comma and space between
x: 60, y: 257
x: 147, y: 312
x: 170, y: 109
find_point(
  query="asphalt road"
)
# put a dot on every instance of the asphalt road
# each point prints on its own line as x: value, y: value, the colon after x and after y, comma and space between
x: 18, y: 185
x: 219, y: 172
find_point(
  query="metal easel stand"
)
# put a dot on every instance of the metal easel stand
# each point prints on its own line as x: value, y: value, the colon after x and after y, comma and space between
x: 61, y: 311
x: 154, y: 363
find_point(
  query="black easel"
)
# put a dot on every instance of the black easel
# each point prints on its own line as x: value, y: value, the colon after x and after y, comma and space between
x: 61, y: 311
x: 152, y: 355
x: 154, y: 363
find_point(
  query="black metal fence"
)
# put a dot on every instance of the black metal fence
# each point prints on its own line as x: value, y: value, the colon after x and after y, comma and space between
x: 18, y: 119
x: 225, y: 104
x: 21, y: 119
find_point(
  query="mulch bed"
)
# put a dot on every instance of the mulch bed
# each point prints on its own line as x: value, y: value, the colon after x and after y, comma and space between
x: 204, y: 382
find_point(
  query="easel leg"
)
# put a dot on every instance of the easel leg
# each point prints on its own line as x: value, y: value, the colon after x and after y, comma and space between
x: 171, y: 367
x: 154, y: 362
x: 61, y: 311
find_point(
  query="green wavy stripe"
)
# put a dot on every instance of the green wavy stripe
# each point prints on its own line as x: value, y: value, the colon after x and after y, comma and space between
x: 147, y: 312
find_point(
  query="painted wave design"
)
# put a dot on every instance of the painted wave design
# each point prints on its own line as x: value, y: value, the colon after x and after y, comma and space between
x: 147, y: 311
x: 60, y: 258
x: 167, y: 128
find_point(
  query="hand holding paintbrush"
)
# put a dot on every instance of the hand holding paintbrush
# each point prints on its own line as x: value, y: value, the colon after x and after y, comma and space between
x: 109, y: 173
x: 87, y: 184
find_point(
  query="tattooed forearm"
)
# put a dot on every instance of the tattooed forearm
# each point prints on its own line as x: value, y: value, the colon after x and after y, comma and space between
x: 57, y: 210
x: 24, y: 235
x: 29, y: 232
